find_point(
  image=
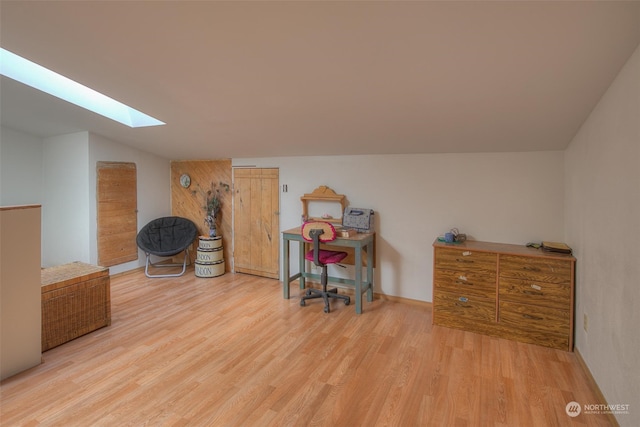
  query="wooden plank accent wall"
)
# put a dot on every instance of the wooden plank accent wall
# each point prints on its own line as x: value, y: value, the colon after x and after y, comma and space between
x: 189, y: 202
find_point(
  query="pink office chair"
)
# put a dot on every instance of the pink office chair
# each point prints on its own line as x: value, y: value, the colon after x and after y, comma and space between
x: 319, y: 232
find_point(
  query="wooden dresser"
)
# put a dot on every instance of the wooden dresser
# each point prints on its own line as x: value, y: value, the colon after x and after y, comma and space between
x: 507, y: 291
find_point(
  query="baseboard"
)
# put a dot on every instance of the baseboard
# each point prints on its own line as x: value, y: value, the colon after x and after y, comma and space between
x: 124, y: 273
x: 594, y: 386
x: 402, y: 300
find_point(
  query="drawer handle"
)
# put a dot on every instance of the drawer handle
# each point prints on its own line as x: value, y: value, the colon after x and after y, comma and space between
x: 530, y: 268
x: 463, y: 282
x: 462, y: 305
x: 464, y: 300
x: 528, y: 316
x: 467, y: 261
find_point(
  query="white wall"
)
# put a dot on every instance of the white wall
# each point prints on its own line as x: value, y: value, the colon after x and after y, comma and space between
x: 20, y: 185
x: 502, y: 197
x: 65, y: 199
x: 59, y: 173
x: 603, y: 227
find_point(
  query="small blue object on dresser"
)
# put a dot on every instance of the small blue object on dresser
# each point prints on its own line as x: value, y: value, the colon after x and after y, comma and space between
x: 359, y: 219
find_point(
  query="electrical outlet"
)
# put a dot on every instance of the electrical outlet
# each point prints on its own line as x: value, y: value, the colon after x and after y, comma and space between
x: 585, y: 322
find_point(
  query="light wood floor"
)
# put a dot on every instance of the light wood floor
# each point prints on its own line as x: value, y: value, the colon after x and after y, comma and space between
x: 231, y: 351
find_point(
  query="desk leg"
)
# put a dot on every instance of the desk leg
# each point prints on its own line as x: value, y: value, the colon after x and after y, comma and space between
x: 370, y: 271
x: 285, y: 268
x: 358, y: 279
x: 302, y: 265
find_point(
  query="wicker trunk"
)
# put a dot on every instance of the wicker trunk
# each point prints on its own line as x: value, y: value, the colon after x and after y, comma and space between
x: 75, y: 301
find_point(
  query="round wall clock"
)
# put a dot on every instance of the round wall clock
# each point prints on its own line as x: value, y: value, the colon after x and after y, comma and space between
x: 185, y: 180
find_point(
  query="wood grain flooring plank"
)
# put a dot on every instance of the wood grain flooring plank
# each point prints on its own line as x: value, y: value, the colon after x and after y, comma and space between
x: 230, y: 351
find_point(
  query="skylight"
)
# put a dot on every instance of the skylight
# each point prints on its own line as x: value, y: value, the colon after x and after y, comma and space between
x: 17, y: 68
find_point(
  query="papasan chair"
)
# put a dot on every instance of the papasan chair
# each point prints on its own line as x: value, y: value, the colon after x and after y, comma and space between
x: 166, y: 237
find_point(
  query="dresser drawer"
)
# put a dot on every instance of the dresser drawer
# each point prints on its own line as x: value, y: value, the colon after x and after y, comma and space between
x: 459, y: 259
x: 536, y: 269
x: 527, y: 317
x: 556, y: 295
x: 464, y: 311
x: 532, y: 336
x: 473, y: 283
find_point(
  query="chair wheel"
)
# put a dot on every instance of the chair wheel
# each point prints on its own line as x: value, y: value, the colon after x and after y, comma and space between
x: 326, y: 309
x: 302, y: 303
x: 347, y: 302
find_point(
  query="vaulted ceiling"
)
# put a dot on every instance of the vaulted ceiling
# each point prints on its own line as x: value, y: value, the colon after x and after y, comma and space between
x: 256, y: 79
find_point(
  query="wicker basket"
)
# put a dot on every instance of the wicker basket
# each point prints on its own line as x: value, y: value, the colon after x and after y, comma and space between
x: 76, y: 300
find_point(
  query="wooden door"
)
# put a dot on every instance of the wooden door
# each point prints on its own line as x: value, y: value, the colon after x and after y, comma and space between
x: 117, y: 213
x: 256, y: 222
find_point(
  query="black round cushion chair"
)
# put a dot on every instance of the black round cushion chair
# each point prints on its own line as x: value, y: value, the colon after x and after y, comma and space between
x: 166, y: 237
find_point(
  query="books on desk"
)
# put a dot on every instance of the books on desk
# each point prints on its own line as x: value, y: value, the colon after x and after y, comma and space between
x: 556, y: 247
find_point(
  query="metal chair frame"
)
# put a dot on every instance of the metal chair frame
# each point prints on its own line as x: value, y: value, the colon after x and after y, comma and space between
x: 158, y: 265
